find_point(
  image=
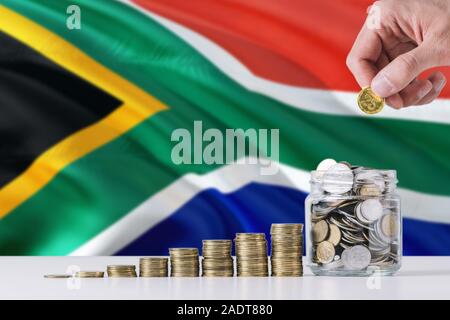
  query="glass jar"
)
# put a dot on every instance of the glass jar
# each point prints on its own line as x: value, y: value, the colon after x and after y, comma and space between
x: 353, y: 222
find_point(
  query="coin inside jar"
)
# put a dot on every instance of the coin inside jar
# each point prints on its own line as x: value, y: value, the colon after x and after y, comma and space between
x: 369, y: 190
x: 334, y: 235
x: 370, y: 177
x: 356, y: 217
x: 320, y: 231
x: 323, y: 166
x: 338, y: 179
x: 369, y: 210
x: 325, y: 252
x: 356, y: 258
x: 388, y: 225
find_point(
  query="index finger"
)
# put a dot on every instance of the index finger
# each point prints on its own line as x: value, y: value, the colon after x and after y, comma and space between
x: 364, y: 55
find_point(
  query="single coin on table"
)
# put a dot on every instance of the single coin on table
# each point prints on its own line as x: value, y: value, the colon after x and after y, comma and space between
x: 57, y: 276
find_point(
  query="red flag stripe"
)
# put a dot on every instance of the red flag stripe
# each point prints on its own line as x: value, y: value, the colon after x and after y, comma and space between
x: 296, y: 42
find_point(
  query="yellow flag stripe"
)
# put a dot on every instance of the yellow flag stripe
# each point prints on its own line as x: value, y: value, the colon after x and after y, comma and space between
x: 137, y: 106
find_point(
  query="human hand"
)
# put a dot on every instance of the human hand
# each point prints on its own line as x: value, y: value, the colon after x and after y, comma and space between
x: 413, y: 36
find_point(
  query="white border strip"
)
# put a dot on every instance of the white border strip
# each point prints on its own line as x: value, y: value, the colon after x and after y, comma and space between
x: 315, y: 100
x: 228, y: 179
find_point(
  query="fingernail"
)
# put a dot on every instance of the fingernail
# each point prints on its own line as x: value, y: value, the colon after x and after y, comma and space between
x: 382, y: 86
x: 395, y: 101
x: 424, y: 91
x: 441, y: 85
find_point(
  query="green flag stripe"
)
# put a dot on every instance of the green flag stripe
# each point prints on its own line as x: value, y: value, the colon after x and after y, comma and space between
x: 92, y: 193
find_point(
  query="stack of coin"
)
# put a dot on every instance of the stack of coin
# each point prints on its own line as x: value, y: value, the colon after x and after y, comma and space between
x: 217, y: 260
x: 90, y: 274
x: 57, y: 276
x: 355, y: 224
x: 121, y: 271
x: 184, y: 262
x: 287, y: 250
x: 251, y: 255
x: 153, y: 267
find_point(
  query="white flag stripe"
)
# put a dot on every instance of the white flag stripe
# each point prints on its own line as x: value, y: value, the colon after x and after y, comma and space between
x: 330, y: 102
x: 228, y: 179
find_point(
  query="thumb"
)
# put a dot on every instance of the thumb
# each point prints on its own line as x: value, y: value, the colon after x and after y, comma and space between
x: 401, y: 71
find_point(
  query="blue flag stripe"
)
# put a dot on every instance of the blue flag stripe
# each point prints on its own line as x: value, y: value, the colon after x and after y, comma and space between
x: 253, y: 208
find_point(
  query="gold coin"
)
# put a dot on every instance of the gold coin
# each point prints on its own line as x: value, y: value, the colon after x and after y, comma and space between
x: 183, y: 252
x: 90, y: 274
x: 121, y: 267
x: 325, y: 252
x: 335, y: 235
x: 57, y: 276
x: 369, y: 190
x: 389, y: 225
x: 320, y: 231
x: 286, y: 228
x: 369, y: 102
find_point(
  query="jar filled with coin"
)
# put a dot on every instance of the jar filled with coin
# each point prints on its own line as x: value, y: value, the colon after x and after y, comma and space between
x: 353, y: 221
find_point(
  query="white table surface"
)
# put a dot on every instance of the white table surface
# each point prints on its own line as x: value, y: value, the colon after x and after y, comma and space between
x: 22, y: 278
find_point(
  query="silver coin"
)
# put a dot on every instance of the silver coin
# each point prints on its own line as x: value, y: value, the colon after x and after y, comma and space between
x: 338, y: 179
x: 341, y: 225
x: 344, y: 255
x: 324, y: 165
x: 375, y: 244
x: 377, y: 258
x: 372, y: 209
x: 346, y: 163
x: 344, y: 246
x: 342, y: 213
x: 380, y: 252
x: 349, y: 224
x: 321, y: 208
x: 373, y: 240
x: 381, y: 263
x: 346, y: 205
x: 359, y: 215
x: 355, y: 222
x: 388, y: 226
x: 378, y: 236
x: 356, y: 238
x: 333, y: 265
x: 357, y: 258
x: 369, y: 176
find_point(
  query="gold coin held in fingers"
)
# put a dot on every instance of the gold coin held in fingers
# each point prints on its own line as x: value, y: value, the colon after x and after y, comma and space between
x: 369, y: 102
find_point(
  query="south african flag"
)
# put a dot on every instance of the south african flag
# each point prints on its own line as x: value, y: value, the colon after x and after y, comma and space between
x: 86, y: 118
